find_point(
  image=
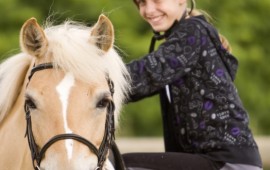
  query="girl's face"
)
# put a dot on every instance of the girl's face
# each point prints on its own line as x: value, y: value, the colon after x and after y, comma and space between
x: 161, y: 14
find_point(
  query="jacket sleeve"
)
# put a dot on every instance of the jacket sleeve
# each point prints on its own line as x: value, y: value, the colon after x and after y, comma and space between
x: 171, y: 61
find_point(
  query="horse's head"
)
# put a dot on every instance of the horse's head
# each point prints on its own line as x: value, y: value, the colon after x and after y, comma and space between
x: 69, y: 92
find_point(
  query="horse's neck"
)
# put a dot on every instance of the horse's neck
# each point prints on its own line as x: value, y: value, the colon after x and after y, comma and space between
x: 14, y: 151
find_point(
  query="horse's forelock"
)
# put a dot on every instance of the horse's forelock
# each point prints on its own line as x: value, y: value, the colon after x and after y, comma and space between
x: 71, y: 49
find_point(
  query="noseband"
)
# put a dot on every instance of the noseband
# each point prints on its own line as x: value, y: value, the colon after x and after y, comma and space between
x: 101, y: 152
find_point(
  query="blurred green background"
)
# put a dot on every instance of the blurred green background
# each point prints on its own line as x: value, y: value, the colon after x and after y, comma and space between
x: 244, y: 22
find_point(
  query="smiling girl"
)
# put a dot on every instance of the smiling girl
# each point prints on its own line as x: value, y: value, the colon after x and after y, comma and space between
x: 206, y: 126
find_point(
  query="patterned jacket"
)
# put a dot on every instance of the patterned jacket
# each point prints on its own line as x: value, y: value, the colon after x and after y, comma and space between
x: 201, y: 109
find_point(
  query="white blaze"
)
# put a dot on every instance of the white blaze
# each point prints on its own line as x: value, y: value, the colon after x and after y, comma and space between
x: 63, y: 89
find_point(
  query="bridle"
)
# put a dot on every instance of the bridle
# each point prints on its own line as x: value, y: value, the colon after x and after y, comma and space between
x: 101, y: 152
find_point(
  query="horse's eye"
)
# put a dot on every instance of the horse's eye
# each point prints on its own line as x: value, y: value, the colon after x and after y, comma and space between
x: 30, y: 104
x: 103, y: 103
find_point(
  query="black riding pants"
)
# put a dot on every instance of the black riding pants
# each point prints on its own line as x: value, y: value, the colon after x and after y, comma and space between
x: 169, y: 161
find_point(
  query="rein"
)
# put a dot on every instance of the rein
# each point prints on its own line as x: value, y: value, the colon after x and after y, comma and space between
x: 101, y: 152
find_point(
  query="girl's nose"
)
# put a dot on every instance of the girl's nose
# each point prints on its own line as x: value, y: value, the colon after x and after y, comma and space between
x: 150, y: 7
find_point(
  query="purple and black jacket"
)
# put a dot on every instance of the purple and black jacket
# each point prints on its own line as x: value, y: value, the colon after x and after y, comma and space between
x: 201, y: 109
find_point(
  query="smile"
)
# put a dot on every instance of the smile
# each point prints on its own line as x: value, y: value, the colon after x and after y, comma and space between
x: 155, y: 19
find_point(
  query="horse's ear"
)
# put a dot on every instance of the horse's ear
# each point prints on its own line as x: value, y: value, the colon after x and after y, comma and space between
x: 32, y: 38
x: 104, y: 33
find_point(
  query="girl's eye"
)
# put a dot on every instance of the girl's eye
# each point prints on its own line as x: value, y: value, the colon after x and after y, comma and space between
x: 103, y: 103
x: 30, y: 104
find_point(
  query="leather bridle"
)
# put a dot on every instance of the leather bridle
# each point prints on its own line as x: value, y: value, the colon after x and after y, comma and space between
x: 101, y: 152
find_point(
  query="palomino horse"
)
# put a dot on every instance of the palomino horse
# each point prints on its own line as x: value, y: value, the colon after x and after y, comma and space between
x: 61, y: 92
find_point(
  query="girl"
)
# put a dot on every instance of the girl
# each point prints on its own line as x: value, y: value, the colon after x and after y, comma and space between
x: 205, y: 122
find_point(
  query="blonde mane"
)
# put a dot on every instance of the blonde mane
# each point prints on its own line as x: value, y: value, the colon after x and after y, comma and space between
x: 72, y: 49
x: 12, y: 74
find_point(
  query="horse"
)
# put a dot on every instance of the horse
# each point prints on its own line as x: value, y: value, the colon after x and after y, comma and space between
x: 61, y: 97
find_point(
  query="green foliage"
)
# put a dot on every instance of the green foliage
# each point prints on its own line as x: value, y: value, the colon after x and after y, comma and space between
x: 245, y: 23
x: 137, y: 117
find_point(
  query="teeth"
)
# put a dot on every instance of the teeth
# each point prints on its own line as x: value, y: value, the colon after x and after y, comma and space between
x: 154, y: 19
